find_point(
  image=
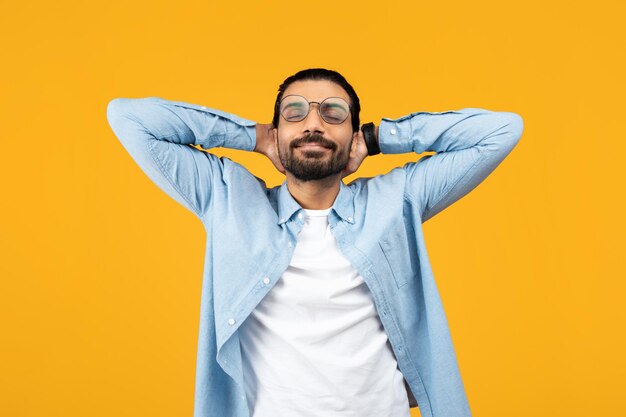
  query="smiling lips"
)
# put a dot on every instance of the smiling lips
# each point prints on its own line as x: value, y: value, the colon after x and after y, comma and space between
x: 313, y: 145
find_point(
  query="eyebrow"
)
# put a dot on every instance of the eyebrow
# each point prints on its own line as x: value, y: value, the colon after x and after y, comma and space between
x: 294, y: 104
x: 335, y: 105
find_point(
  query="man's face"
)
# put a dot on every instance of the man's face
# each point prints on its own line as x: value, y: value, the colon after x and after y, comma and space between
x: 313, y: 149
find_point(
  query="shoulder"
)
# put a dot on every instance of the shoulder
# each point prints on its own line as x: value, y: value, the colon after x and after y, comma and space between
x: 234, y: 173
x: 383, y: 193
x: 389, y: 183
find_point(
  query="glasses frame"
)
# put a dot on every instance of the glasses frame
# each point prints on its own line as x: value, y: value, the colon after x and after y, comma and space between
x: 319, y: 107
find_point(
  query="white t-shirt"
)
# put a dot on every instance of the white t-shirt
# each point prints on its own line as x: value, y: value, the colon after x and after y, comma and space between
x: 315, y: 346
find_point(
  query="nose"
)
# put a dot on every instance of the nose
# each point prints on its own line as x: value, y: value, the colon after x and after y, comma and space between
x: 313, y: 122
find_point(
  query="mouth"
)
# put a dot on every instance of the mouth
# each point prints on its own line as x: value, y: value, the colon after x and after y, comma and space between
x: 313, y: 145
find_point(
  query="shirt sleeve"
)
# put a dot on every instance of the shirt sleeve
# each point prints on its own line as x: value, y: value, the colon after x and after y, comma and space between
x: 158, y: 135
x: 469, y: 144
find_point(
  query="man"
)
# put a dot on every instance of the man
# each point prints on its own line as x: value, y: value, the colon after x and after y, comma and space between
x: 318, y: 298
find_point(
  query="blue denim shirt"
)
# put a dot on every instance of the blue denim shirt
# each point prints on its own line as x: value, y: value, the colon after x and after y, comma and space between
x: 251, y: 232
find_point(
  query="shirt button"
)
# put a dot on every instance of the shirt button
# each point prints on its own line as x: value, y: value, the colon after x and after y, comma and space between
x: 290, y: 244
x: 282, y: 220
x: 349, y: 219
x: 392, y: 131
x: 266, y: 280
x: 231, y: 321
x: 299, y: 215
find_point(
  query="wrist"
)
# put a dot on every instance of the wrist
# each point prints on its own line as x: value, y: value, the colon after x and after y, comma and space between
x: 370, y: 136
x: 376, y: 136
x: 261, y: 138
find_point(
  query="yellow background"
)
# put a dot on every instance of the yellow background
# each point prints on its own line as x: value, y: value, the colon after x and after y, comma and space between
x: 101, y: 271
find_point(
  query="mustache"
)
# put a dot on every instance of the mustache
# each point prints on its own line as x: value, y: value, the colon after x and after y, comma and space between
x: 313, y: 138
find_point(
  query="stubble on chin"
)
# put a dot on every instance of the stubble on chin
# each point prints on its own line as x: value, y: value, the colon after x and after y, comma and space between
x: 313, y: 164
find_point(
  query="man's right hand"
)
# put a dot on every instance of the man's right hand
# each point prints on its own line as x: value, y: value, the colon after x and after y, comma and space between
x: 265, y: 145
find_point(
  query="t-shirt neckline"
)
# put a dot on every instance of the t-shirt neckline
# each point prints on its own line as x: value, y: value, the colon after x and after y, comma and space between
x: 317, y: 213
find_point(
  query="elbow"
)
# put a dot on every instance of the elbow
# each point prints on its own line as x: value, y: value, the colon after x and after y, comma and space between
x: 116, y: 109
x: 120, y: 109
x: 507, y: 134
x: 116, y: 105
x: 123, y: 116
x: 515, y: 126
x: 510, y: 132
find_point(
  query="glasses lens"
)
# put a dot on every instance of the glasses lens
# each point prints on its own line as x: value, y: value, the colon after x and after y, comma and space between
x: 334, y: 110
x: 294, y: 108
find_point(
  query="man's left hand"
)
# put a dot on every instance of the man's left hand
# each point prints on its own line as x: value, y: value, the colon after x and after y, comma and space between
x: 357, y: 155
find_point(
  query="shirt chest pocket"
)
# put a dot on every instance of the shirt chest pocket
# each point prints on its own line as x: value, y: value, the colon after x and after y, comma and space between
x: 396, y: 254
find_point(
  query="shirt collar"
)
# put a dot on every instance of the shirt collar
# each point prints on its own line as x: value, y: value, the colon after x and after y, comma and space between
x: 343, y: 205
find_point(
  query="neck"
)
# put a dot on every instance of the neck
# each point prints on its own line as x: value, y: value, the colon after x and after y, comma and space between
x: 314, y: 195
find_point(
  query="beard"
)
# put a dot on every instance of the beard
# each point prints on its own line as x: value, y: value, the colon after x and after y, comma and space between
x: 314, y: 164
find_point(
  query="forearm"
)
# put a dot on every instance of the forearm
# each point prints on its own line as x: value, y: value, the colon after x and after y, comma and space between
x: 468, y: 144
x: 158, y: 135
x: 448, y: 131
x: 152, y: 118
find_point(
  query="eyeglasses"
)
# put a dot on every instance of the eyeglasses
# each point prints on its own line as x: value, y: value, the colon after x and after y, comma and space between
x: 333, y: 110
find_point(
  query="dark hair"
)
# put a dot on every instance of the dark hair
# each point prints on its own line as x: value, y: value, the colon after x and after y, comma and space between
x: 321, y: 74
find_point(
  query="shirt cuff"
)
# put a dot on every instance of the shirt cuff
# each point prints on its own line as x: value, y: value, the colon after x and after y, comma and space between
x: 405, y: 134
x: 394, y: 135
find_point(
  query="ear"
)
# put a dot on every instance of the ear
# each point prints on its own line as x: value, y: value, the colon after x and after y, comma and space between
x: 355, y: 143
x: 274, y: 135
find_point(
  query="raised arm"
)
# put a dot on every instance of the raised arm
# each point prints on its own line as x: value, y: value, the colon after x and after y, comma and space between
x: 158, y: 135
x: 469, y: 144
